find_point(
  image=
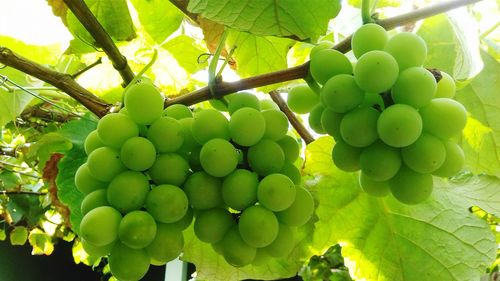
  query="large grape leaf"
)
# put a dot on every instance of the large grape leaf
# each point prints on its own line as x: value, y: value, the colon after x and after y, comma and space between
x: 12, y: 103
x: 383, y: 239
x: 47, y: 54
x: 186, y: 51
x: 481, y: 137
x: 303, y: 19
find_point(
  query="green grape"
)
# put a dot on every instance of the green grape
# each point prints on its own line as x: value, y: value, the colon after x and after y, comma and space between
x: 166, y: 134
x: 315, y: 119
x: 85, y: 182
x: 380, y: 162
x: 368, y: 37
x: 144, y: 102
x: 276, y: 124
x: 247, y: 126
x: 92, y: 142
x: 138, y: 154
x: 346, y: 157
x: 399, y: 125
x: 268, y: 105
x: 290, y: 147
x: 189, y: 142
x: 262, y: 258
x: 359, y: 126
x: 408, y: 49
x: 341, y: 93
x: 137, y: 229
x: 241, y: 100
x: 128, y: 264
x: 212, y: 225
x: 376, y: 71
x: 169, y: 168
x: 235, y: 251
x: 444, y: 118
x: 128, y: 191
x: 302, y: 99
x: 239, y: 189
x: 204, y: 191
x: 453, y: 162
x: 323, y: 45
x: 100, y: 225
x: 372, y: 187
x: 425, y: 155
x: 283, y: 245
x: 104, y: 163
x: 219, y: 104
x: 446, y: 86
x: 258, y: 217
x: 373, y: 100
x: 411, y: 187
x: 300, y: 211
x: 96, y: 251
x: 415, y: 86
x: 185, y: 221
x: 167, y: 244
x: 218, y: 157
x: 177, y: 111
x: 276, y: 192
x: 167, y: 203
x: 209, y: 124
x: 291, y: 171
x: 194, y: 159
x: 330, y: 121
x: 327, y: 63
x: 96, y: 198
x: 266, y: 157
x: 115, y: 128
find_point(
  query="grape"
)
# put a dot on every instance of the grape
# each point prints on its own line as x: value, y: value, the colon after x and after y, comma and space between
x: 137, y: 229
x: 92, y: 142
x: 96, y: 198
x: 453, y: 162
x: 291, y: 171
x: 444, y: 118
x: 373, y: 188
x: 300, y: 211
x: 85, y: 182
x: 276, y: 124
x: 415, y: 86
x: 128, y: 191
x: 203, y: 190
x: 380, y: 162
x: 144, y: 102
x: 258, y: 217
x: 235, y: 251
x: 330, y: 121
x: 96, y: 251
x: 177, y: 111
x: 185, y: 221
x: 328, y: 63
x: 359, y: 126
x: 341, y: 93
x: 219, y: 103
x: 266, y: 157
x: 367, y: 38
x: 399, y: 125
x: 138, y: 154
x: 411, y: 187
x: 166, y: 134
x: 167, y: 203
x: 218, y: 157
x: 315, y: 119
x: 169, y: 168
x: 373, y: 100
x: 210, y: 226
x: 376, y: 71
x: 115, y: 128
x: 262, y: 258
x: 247, y: 126
x: 301, y: 99
x: 241, y: 100
x: 104, y: 163
x: 100, y: 225
x: 290, y: 147
x: 346, y: 157
x: 167, y: 244
x: 425, y: 155
x: 276, y: 192
x: 408, y: 49
x: 321, y: 46
x: 268, y: 105
x: 128, y: 264
x: 209, y: 124
x: 446, y: 86
x: 283, y: 245
x: 239, y: 189
x: 189, y: 142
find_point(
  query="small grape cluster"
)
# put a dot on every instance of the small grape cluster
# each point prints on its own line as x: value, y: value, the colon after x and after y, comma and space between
x: 391, y: 118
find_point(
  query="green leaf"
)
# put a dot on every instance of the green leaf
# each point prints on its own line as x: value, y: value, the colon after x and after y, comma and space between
x: 47, y: 145
x: 158, y: 17
x: 41, y: 242
x: 481, y: 136
x: 3, y: 236
x: 186, y: 51
x: 48, y: 54
x: 379, y: 4
x: 28, y: 207
x: 77, y: 130
x: 18, y: 235
x: 8, y: 179
x: 305, y: 19
x: 12, y: 103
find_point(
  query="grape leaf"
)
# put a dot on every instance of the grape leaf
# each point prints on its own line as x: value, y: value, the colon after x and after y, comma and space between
x: 48, y: 54
x: 41, y: 242
x: 46, y: 145
x: 77, y: 130
x: 186, y: 51
x: 18, y: 235
x: 12, y: 103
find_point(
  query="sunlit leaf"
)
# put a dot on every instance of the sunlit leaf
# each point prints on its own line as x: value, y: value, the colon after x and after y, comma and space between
x: 41, y: 242
x: 18, y: 235
x: 186, y: 51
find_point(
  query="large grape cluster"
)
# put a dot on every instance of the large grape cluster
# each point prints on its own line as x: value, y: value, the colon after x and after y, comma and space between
x: 391, y: 118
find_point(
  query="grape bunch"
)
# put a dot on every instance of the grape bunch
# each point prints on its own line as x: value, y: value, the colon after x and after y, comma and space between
x: 392, y: 119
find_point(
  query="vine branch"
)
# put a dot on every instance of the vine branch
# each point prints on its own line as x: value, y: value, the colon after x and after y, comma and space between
x: 21, y: 192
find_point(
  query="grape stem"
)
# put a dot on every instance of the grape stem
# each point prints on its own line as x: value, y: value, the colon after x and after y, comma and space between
x: 21, y: 192
x: 365, y: 12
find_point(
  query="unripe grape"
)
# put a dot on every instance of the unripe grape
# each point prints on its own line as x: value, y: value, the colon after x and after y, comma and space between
x: 376, y: 71
x: 128, y: 191
x: 100, y: 225
x: 415, y: 86
x: 167, y: 244
x: 115, y: 128
x: 268, y: 105
x: 425, y: 155
x: 209, y: 124
x: 266, y: 157
x: 373, y: 100
x: 85, y: 182
x: 300, y: 211
x: 373, y: 188
x: 177, y: 111
x: 380, y: 162
x: 301, y: 99
x: 444, y: 118
x: 330, y: 121
x: 138, y: 154
x: 261, y: 218
x: 185, y: 221
x: 359, y: 126
x: 166, y: 134
x: 167, y: 203
x: 341, y: 93
x: 144, y: 102
x: 315, y: 119
x: 247, y: 126
x: 189, y: 142
x: 203, y: 190
x: 328, y: 63
x: 291, y: 171
x: 290, y: 147
x: 367, y: 38
x: 276, y: 192
x: 218, y: 157
x: 408, y: 49
x: 97, y: 251
x: 239, y: 189
x: 212, y: 225
x: 346, y: 157
x: 323, y: 45
x: 453, y: 162
x: 128, y: 264
x: 399, y: 125
x: 96, y: 198
x: 137, y: 229
x: 276, y: 124
x: 241, y: 100
x: 169, y: 168
x: 446, y: 86
x: 92, y: 142
x: 411, y: 187
x: 104, y: 163
x: 235, y: 251
x: 283, y: 245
